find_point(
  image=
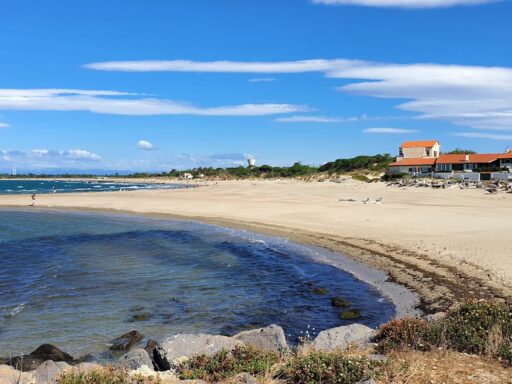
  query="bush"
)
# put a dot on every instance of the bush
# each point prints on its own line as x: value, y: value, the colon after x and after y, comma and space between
x: 403, y: 333
x: 326, y: 368
x: 476, y: 327
x: 226, y: 364
x: 106, y: 375
x: 362, y: 178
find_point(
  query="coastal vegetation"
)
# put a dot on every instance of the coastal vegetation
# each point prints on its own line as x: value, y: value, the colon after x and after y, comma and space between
x: 358, y: 166
x: 454, y: 348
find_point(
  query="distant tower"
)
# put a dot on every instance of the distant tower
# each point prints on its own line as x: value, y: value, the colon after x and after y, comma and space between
x: 251, y: 162
x: 14, y: 171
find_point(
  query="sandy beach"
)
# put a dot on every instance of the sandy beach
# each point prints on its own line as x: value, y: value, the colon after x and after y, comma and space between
x: 445, y: 245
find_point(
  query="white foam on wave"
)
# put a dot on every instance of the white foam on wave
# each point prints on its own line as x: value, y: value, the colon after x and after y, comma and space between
x: 16, y: 310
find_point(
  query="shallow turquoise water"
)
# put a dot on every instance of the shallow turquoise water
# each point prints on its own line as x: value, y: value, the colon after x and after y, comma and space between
x: 77, y: 280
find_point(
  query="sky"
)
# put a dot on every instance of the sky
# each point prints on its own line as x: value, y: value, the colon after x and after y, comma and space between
x: 134, y: 85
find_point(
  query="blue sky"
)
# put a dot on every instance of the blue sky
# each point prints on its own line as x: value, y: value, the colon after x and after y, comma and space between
x: 155, y: 85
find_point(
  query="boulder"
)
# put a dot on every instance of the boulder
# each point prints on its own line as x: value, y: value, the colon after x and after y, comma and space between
x: 9, y: 375
x: 50, y: 371
x: 51, y: 352
x: 136, y: 359
x: 87, y: 367
x: 25, y: 363
x: 342, y: 337
x: 126, y: 341
x: 270, y: 338
x: 150, y: 346
x: 172, y: 348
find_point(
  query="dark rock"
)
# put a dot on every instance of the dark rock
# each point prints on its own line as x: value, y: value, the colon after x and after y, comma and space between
x: 126, y: 341
x: 51, y: 352
x: 350, y: 314
x: 143, y: 316
x: 25, y: 363
x: 150, y: 346
x: 320, y: 291
x: 339, y: 302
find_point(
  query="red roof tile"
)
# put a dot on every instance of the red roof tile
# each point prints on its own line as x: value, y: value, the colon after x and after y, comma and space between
x: 418, y: 144
x: 473, y: 158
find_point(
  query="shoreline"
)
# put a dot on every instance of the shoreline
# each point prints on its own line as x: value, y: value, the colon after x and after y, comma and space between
x: 310, y: 215
x: 405, y: 301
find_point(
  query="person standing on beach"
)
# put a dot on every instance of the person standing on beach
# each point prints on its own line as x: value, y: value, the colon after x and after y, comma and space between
x: 33, y: 199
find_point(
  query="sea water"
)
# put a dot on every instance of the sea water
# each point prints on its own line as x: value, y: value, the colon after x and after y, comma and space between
x: 26, y: 186
x: 77, y: 280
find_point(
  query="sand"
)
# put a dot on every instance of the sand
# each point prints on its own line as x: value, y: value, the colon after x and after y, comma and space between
x: 446, y: 245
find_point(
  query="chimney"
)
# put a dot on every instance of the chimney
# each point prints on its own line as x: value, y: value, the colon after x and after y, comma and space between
x: 467, y: 157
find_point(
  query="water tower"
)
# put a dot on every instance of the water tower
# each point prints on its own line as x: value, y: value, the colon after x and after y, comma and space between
x: 251, y: 162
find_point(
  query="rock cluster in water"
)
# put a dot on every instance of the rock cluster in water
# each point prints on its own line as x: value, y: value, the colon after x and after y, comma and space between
x: 47, y: 363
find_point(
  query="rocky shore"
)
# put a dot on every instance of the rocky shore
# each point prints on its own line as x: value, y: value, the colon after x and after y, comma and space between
x: 46, y: 364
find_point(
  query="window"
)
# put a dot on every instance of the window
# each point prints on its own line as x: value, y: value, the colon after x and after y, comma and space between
x: 428, y: 151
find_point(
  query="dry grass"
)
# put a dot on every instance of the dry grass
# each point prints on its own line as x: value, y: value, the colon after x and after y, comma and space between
x: 442, y: 367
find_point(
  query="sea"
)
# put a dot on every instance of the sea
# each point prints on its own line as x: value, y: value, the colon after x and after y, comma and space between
x: 39, y: 186
x: 78, y: 279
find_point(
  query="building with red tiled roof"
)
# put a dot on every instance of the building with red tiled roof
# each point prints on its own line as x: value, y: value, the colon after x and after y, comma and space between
x: 422, y: 157
x: 418, y: 149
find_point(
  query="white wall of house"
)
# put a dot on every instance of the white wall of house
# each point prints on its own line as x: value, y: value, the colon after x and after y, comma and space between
x: 460, y: 176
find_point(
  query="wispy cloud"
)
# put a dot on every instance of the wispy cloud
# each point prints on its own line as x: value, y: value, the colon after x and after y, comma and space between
x: 145, y: 145
x: 262, y: 80
x: 404, y: 3
x: 4, y: 125
x: 311, y: 119
x: 120, y: 103
x: 478, y: 97
x: 478, y: 135
x: 389, y: 130
x: 48, y: 159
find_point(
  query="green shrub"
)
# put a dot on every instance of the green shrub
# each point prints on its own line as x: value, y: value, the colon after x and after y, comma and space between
x: 477, y: 327
x: 225, y: 364
x: 398, y: 334
x: 362, y: 178
x: 326, y: 368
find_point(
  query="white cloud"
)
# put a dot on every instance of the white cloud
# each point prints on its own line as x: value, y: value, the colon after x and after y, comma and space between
x: 48, y: 159
x: 80, y: 154
x: 262, y: 80
x: 145, y: 145
x: 4, y: 125
x: 389, y: 130
x: 404, y: 3
x: 477, y: 135
x: 119, y: 103
x: 310, y: 119
x: 479, y: 97
x: 219, y: 66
